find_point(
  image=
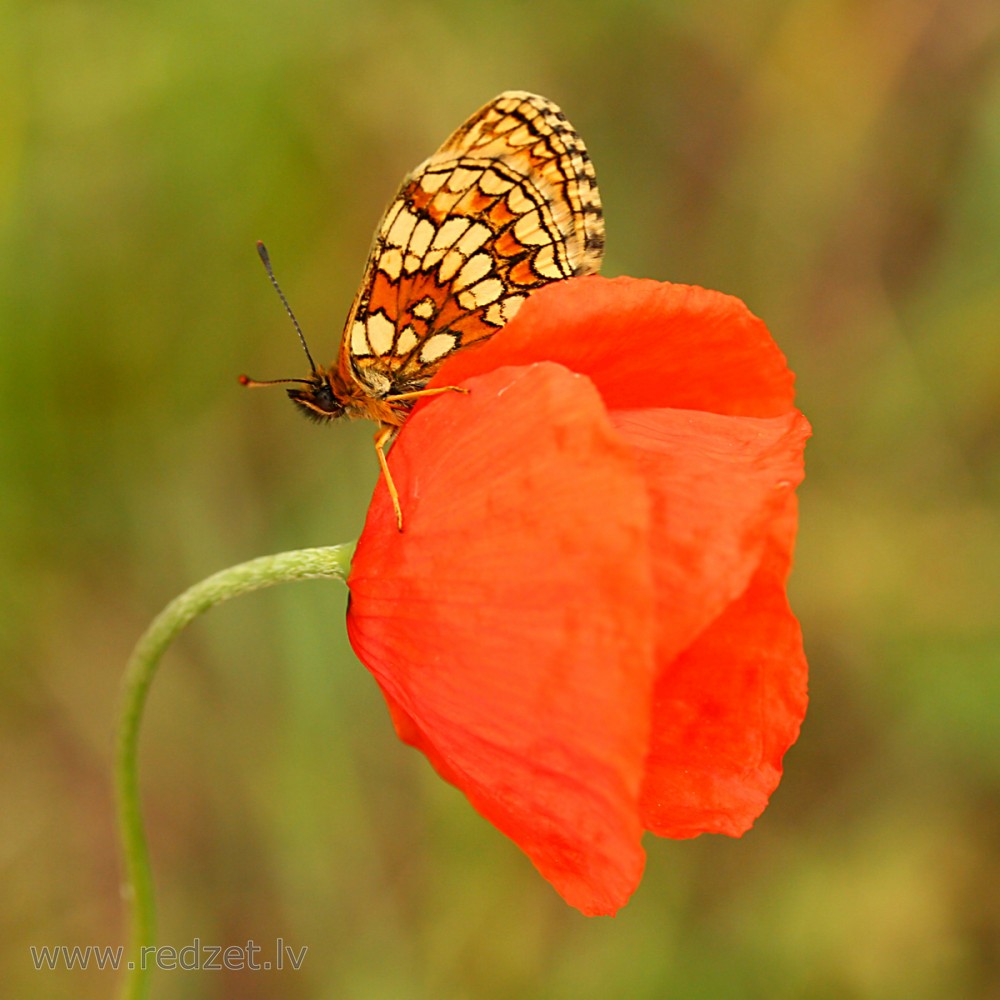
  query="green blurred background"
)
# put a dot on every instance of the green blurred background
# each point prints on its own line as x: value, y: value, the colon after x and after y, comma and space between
x: 834, y: 163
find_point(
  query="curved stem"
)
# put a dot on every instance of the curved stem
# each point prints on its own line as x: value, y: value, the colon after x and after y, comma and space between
x: 303, y: 564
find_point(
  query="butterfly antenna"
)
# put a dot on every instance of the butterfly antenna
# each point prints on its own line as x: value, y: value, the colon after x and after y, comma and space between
x: 266, y: 259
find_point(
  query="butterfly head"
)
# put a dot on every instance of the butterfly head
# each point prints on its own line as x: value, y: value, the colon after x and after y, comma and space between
x: 317, y: 398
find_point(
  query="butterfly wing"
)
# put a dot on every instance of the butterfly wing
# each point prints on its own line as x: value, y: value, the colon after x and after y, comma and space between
x: 509, y: 203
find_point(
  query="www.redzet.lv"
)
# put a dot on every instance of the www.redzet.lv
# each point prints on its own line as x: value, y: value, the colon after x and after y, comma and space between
x: 194, y: 956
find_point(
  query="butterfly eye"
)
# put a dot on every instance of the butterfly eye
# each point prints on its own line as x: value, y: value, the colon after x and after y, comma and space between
x: 318, y: 402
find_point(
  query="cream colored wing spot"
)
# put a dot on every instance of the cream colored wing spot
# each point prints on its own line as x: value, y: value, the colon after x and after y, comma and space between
x: 449, y: 232
x: 401, y: 228
x: 359, y: 340
x: 473, y: 270
x: 518, y: 202
x: 436, y: 347
x: 503, y: 310
x: 481, y: 294
x: 505, y: 123
x: 546, y: 265
x: 493, y: 184
x: 452, y: 261
x: 390, y: 263
x: 472, y: 240
x: 522, y: 136
x: 529, y: 230
x: 511, y: 304
x: 426, y: 308
x: 432, y: 258
x: 408, y: 339
x: 392, y: 213
x: 420, y: 241
x: 381, y: 332
x: 432, y: 181
x: 462, y: 179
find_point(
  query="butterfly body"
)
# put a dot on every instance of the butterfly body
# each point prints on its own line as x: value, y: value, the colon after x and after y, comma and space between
x: 509, y: 203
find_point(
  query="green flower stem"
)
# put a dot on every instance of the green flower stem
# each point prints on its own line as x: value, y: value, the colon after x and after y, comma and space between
x: 304, y: 564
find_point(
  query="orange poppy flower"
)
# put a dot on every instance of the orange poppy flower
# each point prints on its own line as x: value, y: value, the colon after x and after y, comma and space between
x: 584, y: 624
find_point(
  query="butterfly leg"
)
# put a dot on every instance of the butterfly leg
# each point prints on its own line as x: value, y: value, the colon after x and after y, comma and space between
x: 420, y: 393
x: 386, y: 433
x: 384, y: 436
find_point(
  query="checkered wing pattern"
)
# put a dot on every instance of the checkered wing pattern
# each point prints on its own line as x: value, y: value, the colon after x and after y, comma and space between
x: 509, y: 203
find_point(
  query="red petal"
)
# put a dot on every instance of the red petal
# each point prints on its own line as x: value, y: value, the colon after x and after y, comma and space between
x: 644, y: 344
x: 728, y: 709
x: 510, y: 624
x: 717, y: 484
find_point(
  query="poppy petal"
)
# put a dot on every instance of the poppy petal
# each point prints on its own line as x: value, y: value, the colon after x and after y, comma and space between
x: 717, y: 484
x: 510, y: 625
x: 729, y: 708
x: 644, y: 344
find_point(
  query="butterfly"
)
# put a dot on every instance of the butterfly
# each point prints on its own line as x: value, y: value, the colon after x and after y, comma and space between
x: 509, y: 203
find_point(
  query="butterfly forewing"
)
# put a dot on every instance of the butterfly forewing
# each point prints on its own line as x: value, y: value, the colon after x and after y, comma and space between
x: 507, y: 204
